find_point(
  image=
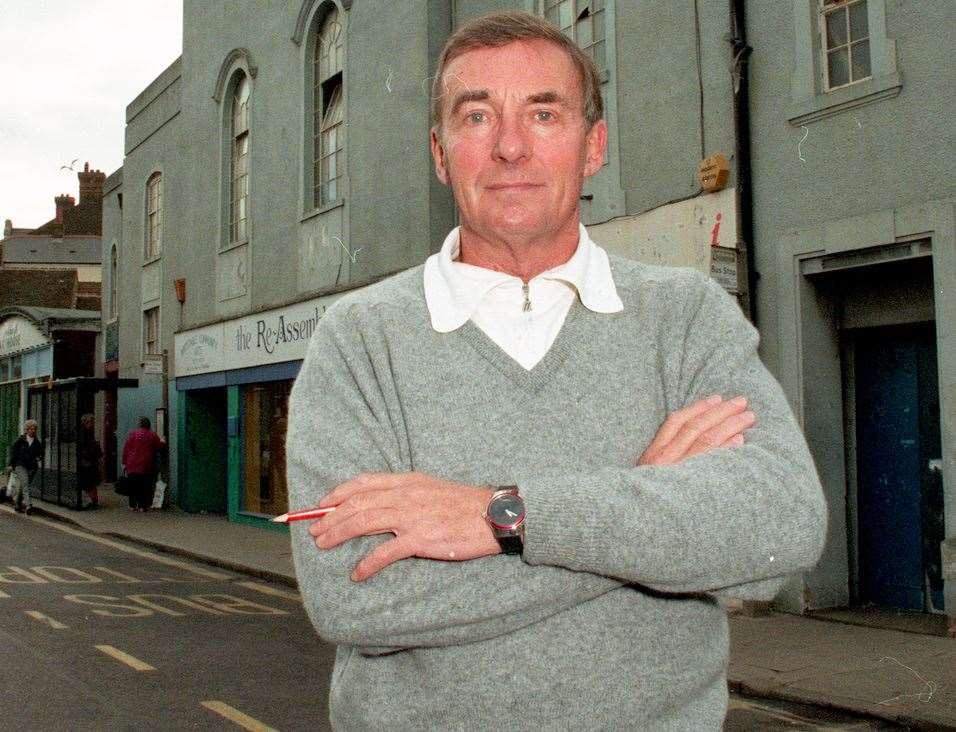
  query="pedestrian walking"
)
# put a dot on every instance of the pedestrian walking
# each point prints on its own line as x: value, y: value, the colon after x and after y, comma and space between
x: 26, y: 455
x: 140, y: 452
x: 89, y: 457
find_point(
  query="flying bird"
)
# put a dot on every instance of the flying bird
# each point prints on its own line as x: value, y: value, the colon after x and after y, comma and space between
x: 70, y: 166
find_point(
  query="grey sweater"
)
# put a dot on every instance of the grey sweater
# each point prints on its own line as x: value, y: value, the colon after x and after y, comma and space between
x: 609, y: 620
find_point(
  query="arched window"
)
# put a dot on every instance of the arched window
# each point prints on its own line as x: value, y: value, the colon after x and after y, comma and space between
x: 113, y: 269
x: 239, y: 162
x: 328, y: 111
x: 154, y: 216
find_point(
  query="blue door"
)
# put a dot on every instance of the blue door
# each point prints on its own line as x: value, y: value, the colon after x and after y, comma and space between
x: 897, y: 409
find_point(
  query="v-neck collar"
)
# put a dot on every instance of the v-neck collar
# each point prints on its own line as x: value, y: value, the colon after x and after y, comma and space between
x: 565, y: 344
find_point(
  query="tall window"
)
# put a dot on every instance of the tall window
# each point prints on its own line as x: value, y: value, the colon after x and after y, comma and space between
x: 846, y: 42
x: 584, y: 22
x: 239, y: 196
x: 328, y: 112
x: 154, y: 215
x: 151, y: 331
x: 113, y: 268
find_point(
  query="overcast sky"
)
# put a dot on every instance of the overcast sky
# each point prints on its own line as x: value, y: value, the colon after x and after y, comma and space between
x: 67, y: 71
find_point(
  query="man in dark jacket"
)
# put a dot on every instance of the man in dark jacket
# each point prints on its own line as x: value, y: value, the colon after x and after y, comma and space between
x: 26, y: 454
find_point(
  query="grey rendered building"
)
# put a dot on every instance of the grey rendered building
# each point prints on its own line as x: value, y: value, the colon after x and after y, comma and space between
x: 290, y: 147
x: 853, y: 151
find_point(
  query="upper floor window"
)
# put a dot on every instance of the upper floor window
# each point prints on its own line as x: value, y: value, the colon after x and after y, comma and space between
x: 113, y: 269
x: 584, y: 22
x: 846, y: 42
x: 151, y: 332
x: 154, y: 216
x: 328, y: 112
x: 239, y: 162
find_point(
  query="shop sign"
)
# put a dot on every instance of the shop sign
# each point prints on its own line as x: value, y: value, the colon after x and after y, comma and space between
x: 270, y: 337
x: 19, y: 334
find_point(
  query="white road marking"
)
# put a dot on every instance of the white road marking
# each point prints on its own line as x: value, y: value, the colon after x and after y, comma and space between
x: 37, y: 615
x: 269, y: 590
x: 133, y: 663
x: 168, y: 561
x: 234, y: 715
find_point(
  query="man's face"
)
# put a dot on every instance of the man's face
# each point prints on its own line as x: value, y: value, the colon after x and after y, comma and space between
x: 32, y: 430
x: 513, y: 143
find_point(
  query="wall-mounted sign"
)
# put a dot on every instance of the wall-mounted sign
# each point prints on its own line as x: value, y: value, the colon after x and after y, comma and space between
x: 19, y: 334
x: 270, y: 337
x: 713, y: 173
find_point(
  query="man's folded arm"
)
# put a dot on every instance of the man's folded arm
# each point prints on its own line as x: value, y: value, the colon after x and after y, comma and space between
x: 735, y: 522
x: 344, y: 420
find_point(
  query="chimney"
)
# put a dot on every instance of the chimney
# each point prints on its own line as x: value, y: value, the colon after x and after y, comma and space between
x: 91, y: 185
x: 62, y: 204
x: 7, y: 228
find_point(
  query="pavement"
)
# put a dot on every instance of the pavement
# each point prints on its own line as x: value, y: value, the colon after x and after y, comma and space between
x: 902, y: 677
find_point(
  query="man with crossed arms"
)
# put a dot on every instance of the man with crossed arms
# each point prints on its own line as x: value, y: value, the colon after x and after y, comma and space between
x: 545, y: 459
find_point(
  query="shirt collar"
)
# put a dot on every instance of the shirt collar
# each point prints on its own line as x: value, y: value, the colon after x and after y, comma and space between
x: 454, y: 290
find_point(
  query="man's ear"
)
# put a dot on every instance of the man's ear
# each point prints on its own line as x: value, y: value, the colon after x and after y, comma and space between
x: 438, y: 153
x: 596, y: 143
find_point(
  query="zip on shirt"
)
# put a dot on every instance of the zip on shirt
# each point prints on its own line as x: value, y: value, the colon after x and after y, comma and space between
x: 527, y: 298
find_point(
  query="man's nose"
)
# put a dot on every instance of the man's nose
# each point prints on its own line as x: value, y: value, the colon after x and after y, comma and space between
x: 513, y: 141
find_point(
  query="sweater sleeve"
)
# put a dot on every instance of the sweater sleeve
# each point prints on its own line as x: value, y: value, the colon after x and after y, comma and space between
x: 344, y: 419
x: 733, y: 521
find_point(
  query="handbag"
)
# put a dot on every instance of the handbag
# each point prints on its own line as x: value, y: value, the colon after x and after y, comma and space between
x: 121, y: 487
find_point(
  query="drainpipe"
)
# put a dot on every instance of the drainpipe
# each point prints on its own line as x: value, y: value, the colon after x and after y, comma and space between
x: 742, y: 51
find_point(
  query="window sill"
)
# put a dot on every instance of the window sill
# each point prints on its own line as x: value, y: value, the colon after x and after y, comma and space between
x: 849, y: 97
x: 233, y: 245
x: 152, y: 260
x: 321, y: 210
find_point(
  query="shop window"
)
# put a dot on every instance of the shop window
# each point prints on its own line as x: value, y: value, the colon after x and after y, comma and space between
x: 265, y: 413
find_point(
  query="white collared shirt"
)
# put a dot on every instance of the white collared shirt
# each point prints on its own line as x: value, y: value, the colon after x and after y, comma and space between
x: 456, y: 292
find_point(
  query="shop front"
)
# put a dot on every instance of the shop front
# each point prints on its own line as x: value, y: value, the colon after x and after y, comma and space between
x: 233, y: 381
x: 26, y: 356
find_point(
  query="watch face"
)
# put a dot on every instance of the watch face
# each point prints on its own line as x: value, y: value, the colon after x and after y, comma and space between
x: 506, y: 511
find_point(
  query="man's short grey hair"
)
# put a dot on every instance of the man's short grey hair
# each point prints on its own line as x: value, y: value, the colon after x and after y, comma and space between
x: 499, y: 29
x: 30, y: 423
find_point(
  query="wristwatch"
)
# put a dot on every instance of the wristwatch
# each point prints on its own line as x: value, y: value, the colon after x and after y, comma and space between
x: 505, y: 515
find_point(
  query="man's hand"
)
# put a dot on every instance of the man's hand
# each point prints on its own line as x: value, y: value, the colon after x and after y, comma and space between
x: 431, y: 519
x: 697, y: 428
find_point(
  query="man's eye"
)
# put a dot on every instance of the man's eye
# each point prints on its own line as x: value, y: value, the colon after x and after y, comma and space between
x: 544, y: 116
x: 476, y: 117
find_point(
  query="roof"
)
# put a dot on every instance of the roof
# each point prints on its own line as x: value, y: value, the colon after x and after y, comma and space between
x: 35, y: 249
x: 43, y: 288
x: 58, y: 314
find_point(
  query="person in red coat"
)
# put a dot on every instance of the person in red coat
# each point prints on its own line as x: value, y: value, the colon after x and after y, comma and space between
x: 140, y: 460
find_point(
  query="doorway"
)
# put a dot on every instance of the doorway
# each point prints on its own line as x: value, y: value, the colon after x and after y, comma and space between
x: 205, y: 451
x: 899, y: 491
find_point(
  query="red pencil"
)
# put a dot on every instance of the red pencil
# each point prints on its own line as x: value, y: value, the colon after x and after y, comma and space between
x: 304, y: 515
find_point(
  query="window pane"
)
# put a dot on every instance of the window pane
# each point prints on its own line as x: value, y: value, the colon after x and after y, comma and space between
x: 582, y: 32
x: 597, y: 6
x: 860, y: 54
x: 598, y: 54
x: 858, y: 25
x: 333, y: 190
x: 598, y: 24
x: 838, y: 67
x: 564, y: 14
x: 836, y: 28
x: 552, y: 15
